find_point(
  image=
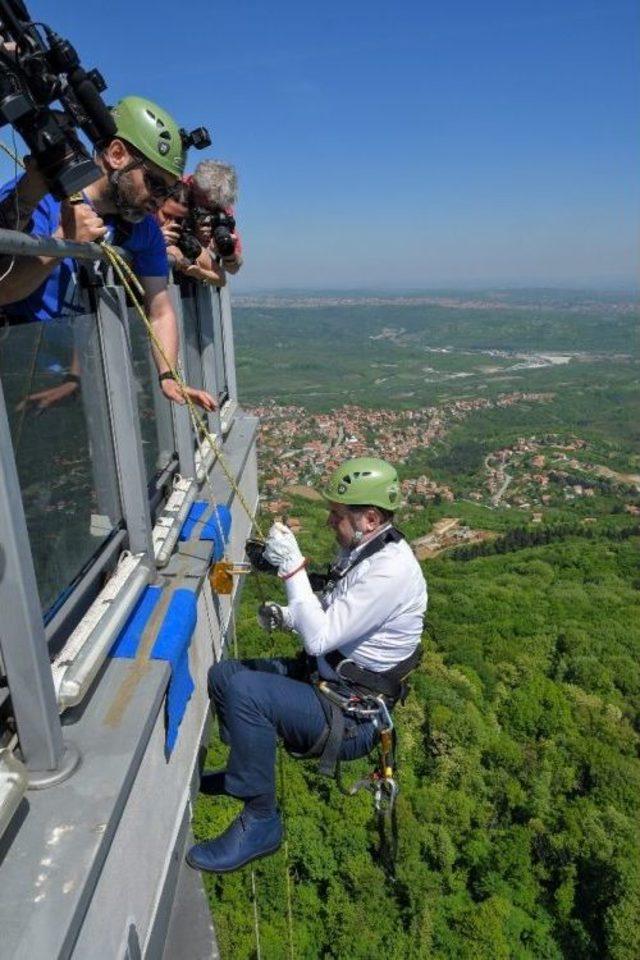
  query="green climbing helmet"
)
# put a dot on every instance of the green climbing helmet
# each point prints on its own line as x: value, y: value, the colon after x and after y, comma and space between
x: 365, y: 481
x: 152, y: 131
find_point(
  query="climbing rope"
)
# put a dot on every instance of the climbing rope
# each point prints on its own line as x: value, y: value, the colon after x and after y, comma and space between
x: 134, y: 289
x: 256, y: 921
x: 285, y: 849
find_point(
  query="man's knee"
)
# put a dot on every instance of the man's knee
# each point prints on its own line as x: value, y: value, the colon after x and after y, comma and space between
x: 219, y: 677
x: 247, y: 686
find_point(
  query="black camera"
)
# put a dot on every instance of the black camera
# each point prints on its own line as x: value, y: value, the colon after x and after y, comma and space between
x: 198, y: 138
x: 37, y: 72
x: 254, y: 550
x: 222, y: 226
x: 188, y: 243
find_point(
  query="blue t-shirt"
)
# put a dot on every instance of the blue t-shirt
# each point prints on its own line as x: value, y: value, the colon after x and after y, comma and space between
x: 57, y: 296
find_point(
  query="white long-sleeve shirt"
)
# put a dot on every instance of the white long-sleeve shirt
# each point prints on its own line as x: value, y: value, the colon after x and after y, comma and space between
x: 374, y: 614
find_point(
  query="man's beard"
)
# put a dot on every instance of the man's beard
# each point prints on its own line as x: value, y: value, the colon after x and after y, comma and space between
x: 122, y: 194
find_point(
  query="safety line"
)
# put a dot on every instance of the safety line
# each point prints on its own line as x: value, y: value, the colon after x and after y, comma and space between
x: 130, y: 280
x: 125, y: 273
x: 123, y: 269
x: 285, y: 847
x: 256, y: 922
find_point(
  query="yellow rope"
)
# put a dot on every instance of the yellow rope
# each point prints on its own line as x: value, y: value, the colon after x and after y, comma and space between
x: 129, y: 279
x: 126, y: 273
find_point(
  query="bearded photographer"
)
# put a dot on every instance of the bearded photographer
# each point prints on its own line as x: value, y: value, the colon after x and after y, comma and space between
x: 188, y: 239
x: 141, y: 167
x: 214, y: 186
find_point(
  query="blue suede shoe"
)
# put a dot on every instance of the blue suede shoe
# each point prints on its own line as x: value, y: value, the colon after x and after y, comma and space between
x: 212, y: 783
x: 247, y: 838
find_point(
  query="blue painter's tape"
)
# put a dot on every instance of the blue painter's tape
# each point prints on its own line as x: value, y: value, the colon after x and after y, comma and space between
x: 216, y: 528
x: 128, y: 640
x: 196, y: 511
x: 172, y: 645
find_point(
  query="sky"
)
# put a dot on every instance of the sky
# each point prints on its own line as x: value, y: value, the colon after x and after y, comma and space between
x: 415, y: 145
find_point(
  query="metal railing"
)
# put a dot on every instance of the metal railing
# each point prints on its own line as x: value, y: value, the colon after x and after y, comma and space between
x: 84, y: 624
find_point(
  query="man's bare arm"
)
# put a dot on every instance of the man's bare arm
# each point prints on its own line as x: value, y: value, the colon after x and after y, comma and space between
x: 206, y: 269
x: 165, y: 327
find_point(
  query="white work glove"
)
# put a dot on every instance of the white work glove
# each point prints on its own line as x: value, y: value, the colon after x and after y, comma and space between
x: 282, y: 550
x: 271, y: 616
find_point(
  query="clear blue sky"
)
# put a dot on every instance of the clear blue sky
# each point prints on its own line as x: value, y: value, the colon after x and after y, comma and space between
x: 415, y: 144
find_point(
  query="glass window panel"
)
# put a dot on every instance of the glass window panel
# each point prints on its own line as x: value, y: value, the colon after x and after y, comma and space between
x: 192, y: 345
x: 62, y: 444
x: 155, y: 413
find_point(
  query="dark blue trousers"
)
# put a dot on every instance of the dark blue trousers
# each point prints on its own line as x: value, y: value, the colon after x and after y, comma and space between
x: 258, y: 701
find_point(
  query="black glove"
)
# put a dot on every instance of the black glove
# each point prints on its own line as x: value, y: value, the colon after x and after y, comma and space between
x: 254, y: 550
x: 271, y: 617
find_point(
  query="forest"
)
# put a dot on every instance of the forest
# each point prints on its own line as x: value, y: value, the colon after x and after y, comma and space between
x: 519, y: 773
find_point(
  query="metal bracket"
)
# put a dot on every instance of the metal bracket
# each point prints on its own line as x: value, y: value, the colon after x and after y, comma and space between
x: 222, y: 573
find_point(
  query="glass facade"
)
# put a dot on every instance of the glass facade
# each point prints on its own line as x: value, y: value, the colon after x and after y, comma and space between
x: 62, y: 433
x: 62, y: 444
x: 153, y: 408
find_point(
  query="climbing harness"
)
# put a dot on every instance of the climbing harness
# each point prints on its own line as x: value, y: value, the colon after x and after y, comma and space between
x: 360, y: 695
x: 382, y: 784
x: 326, y: 582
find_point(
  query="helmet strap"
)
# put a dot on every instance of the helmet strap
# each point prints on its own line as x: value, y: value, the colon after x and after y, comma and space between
x: 358, y: 535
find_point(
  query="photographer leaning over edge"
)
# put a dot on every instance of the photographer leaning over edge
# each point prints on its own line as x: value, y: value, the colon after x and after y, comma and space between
x: 172, y: 217
x: 214, y: 185
x: 142, y: 165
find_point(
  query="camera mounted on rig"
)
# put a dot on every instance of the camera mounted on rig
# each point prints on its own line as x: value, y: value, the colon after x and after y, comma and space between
x: 37, y: 71
x: 199, y: 138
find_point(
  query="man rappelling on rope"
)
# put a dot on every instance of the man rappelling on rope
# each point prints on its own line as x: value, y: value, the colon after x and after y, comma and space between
x: 141, y: 167
x: 360, y: 635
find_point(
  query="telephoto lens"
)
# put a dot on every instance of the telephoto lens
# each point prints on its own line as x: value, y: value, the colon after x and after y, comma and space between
x: 223, y: 226
x: 189, y: 246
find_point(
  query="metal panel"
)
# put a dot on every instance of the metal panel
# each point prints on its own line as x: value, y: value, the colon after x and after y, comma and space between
x: 24, y: 649
x: 123, y: 406
x: 228, y: 345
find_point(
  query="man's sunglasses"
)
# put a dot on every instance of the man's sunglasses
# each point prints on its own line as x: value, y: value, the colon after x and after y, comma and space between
x: 156, y: 185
